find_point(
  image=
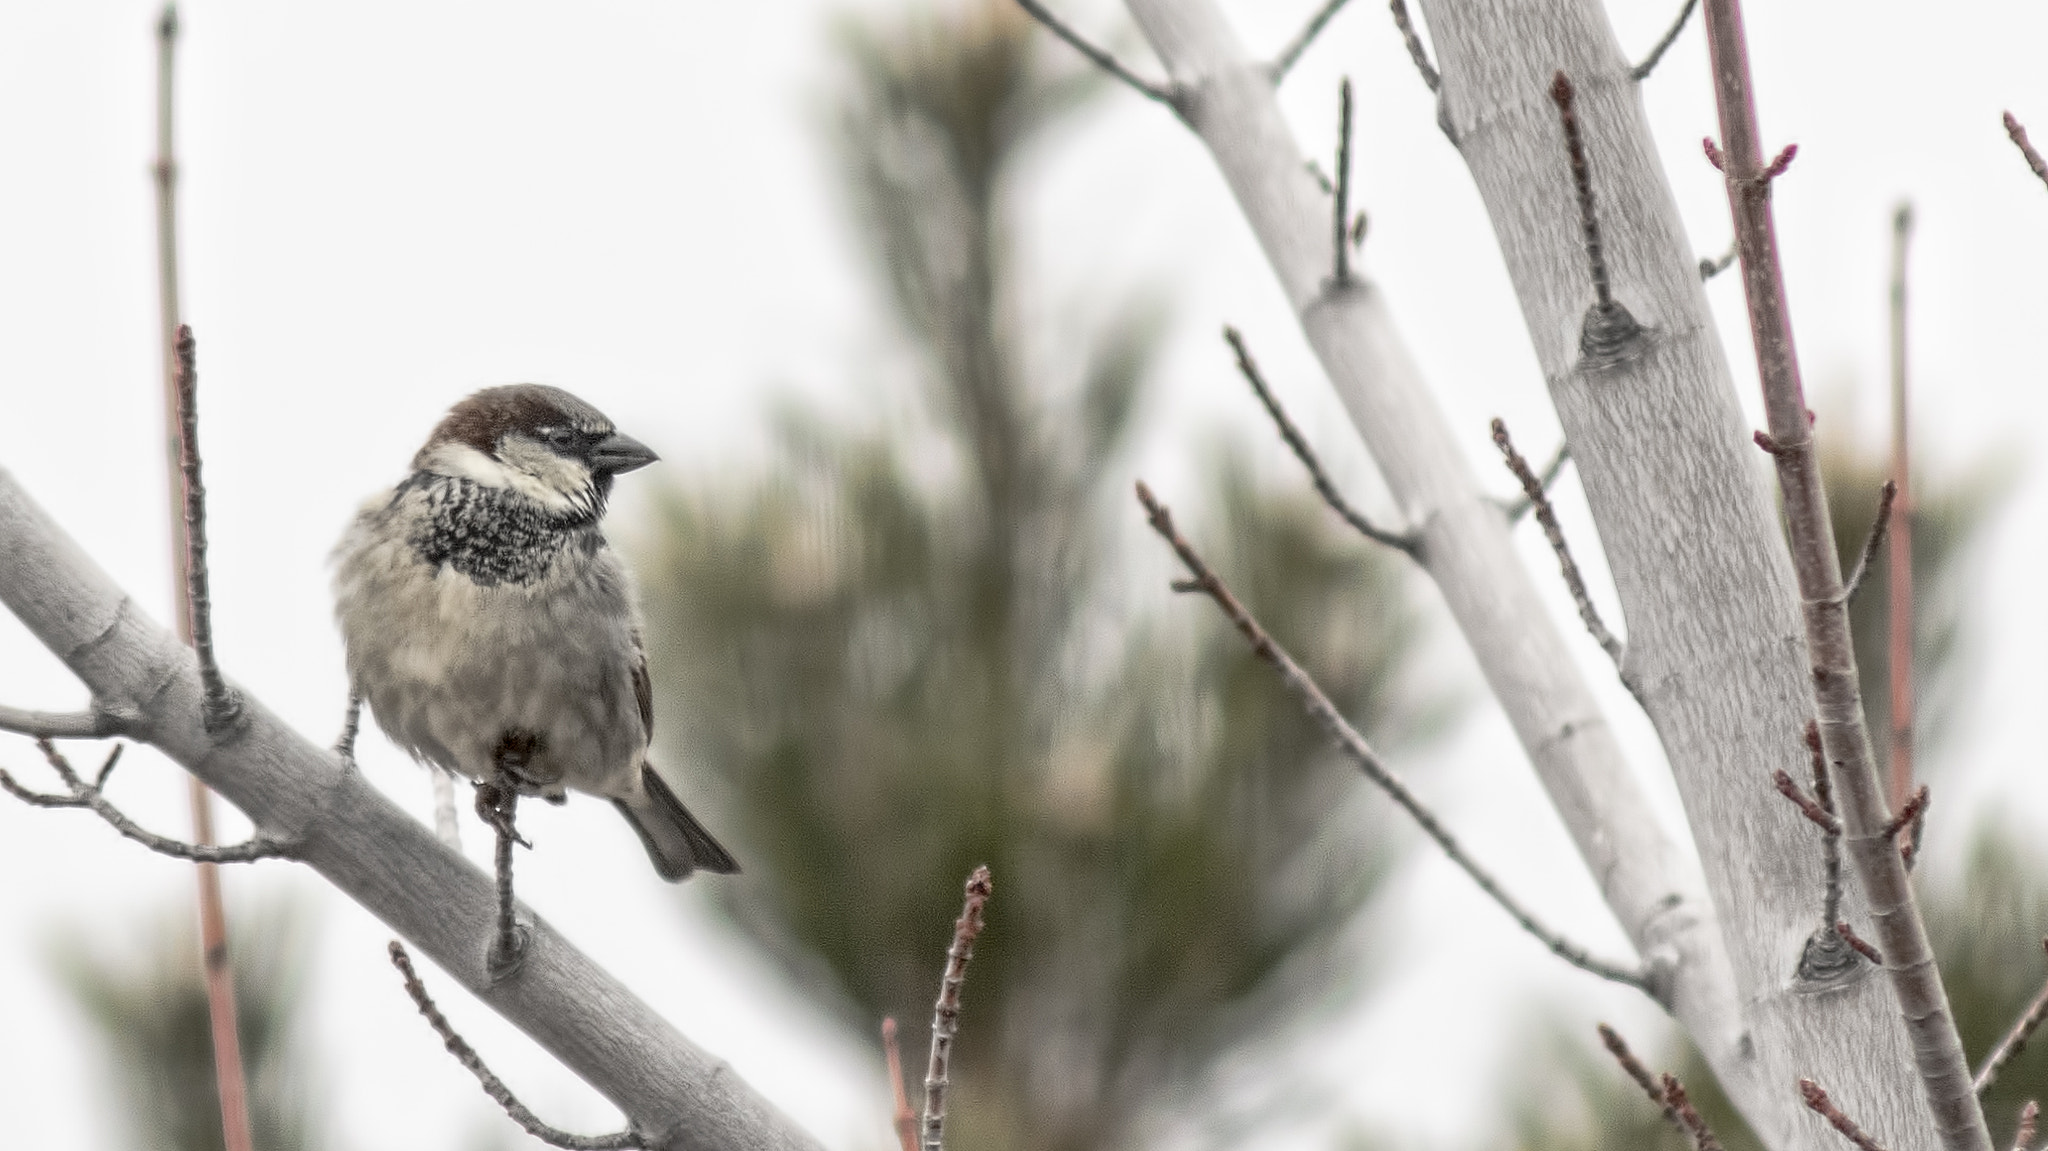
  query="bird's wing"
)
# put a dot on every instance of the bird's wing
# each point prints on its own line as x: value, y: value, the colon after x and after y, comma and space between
x: 643, y: 688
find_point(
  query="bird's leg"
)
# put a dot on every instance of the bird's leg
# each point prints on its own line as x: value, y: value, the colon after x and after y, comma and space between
x: 345, y: 747
x: 496, y: 801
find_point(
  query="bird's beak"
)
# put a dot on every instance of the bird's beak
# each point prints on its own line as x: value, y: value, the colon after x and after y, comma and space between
x: 619, y: 452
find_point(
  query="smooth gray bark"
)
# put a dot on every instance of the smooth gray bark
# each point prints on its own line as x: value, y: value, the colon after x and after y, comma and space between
x: 1651, y: 884
x: 1715, y: 646
x: 147, y: 684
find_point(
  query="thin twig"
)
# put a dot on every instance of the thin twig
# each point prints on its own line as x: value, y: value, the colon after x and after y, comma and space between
x: 1342, y: 214
x: 1818, y: 1100
x: 221, y: 705
x: 906, y: 1119
x: 1635, y: 1070
x: 946, y: 1012
x: 90, y: 797
x: 1518, y: 507
x: 1702, y: 1136
x: 1709, y: 268
x: 1101, y: 59
x: 1284, y: 62
x: 1642, y: 71
x: 1886, y: 496
x: 2015, y: 1039
x: 1356, y: 749
x: 94, y: 724
x: 2024, y: 1133
x: 1862, y: 945
x: 1404, y: 541
x: 1914, y: 811
x: 494, y: 1086
x: 1539, y: 501
x: 1900, y: 570
x: 1416, y: 52
x: 2018, y: 133
x: 1608, y: 329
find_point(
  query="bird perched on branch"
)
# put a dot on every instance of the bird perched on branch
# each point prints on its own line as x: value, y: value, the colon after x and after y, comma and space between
x: 493, y: 631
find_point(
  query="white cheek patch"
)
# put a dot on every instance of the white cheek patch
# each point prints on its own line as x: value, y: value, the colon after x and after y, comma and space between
x: 557, y: 484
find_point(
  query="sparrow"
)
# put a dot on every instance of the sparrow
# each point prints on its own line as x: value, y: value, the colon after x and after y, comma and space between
x: 492, y: 630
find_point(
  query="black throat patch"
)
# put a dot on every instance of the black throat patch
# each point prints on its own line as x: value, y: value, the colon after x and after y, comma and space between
x: 493, y: 535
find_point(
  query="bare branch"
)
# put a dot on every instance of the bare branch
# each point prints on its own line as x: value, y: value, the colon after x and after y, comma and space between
x: 221, y: 706
x: 94, y: 724
x: 89, y: 796
x: 905, y: 1119
x: 1608, y: 330
x: 1416, y: 52
x: 1406, y: 542
x: 1696, y: 1127
x: 1938, y: 1059
x: 1818, y: 1100
x: 2015, y: 1040
x: 1885, y: 497
x: 1356, y: 749
x: 1341, y: 216
x: 1642, y: 71
x: 1284, y: 62
x: 494, y: 1086
x: 1900, y: 585
x: 946, y: 1013
x: 2018, y: 133
x: 1616, y: 1047
x: 1532, y: 489
x: 1518, y: 507
x: 1101, y: 59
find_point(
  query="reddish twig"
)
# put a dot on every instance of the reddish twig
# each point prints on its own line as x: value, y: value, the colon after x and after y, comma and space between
x: 2024, y: 1133
x: 1359, y: 752
x: 1818, y: 1101
x: 1416, y: 51
x: 1886, y: 496
x: 1916, y: 983
x: 1702, y: 1136
x: 1900, y: 569
x: 1856, y: 941
x: 2018, y: 133
x: 905, y: 1119
x: 1298, y: 444
x: 1539, y: 501
x: 1910, y: 819
x: 494, y: 1086
x: 2015, y: 1039
x: 946, y: 1013
x: 1611, y: 1039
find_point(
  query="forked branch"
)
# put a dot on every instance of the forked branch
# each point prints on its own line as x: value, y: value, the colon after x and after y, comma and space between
x: 1304, y: 687
x: 1163, y: 93
x: 92, y: 797
x: 494, y: 1086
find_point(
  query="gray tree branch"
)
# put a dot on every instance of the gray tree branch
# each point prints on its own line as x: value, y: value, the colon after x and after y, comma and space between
x: 672, y: 1092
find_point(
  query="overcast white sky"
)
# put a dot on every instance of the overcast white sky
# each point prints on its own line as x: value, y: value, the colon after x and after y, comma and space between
x: 387, y: 205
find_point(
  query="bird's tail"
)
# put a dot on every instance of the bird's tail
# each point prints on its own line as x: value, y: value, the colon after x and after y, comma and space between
x: 675, y: 841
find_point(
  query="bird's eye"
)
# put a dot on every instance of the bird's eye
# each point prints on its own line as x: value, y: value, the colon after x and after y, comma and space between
x: 561, y: 439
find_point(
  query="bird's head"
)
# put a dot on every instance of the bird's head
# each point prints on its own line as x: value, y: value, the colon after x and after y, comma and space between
x: 536, y: 440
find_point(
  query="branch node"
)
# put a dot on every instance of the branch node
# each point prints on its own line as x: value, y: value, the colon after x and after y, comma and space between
x: 494, y: 1086
x: 1862, y: 946
x: 1609, y: 332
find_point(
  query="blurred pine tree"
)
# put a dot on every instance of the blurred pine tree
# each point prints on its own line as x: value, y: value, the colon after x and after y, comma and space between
x: 902, y: 652
x: 149, y: 1006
